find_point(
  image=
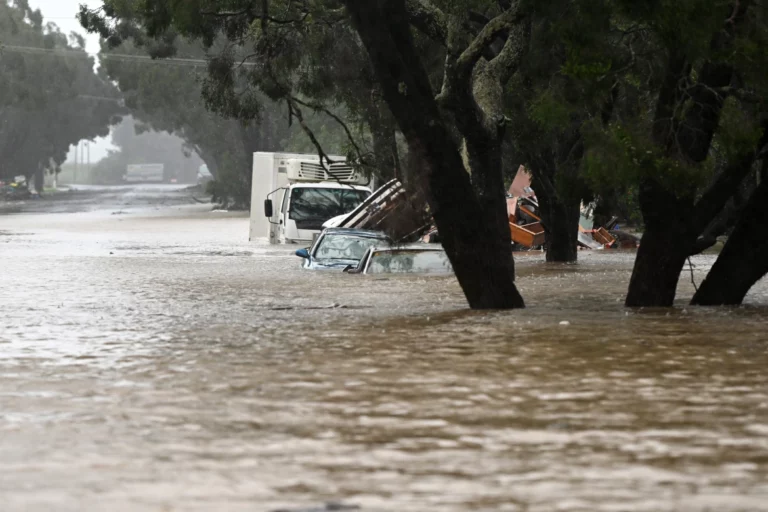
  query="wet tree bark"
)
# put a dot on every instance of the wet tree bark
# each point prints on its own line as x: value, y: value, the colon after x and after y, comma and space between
x: 559, y: 190
x: 664, y: 247
x: 559, y: 218
x: 481, y: 260
x: 39, y: 179
x: 386, y: 157
x: 657, y: 269
x: 560, y: 211
x: 678, y: 222
x: 561, y: 222
x: 671, y: 217
x: 744, y: 259
x: 485, y: 157
x: 671, y: 227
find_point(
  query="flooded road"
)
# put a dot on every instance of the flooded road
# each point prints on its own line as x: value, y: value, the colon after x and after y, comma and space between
x: 153, y: 359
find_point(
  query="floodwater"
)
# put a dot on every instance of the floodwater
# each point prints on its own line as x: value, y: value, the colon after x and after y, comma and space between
x: 153, y: 359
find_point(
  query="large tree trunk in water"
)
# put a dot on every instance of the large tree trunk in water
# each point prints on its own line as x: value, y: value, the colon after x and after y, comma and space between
x: 664, y: 247
x: 744, y: 259
x: 669, y: 216
x: 485, y: 154
x: 482, y: 262
x: 561, y: 222
x: 559, y: 215
x: 660, y: 260
x: 560, y: 218
x: 672, y: 222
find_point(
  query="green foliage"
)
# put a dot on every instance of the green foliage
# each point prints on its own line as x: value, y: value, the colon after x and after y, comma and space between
x: 682, y: 26
x: 50, y: 97
x: 299, y: 49
x: 738, y: 133
x: 548, y: 111
x: 580, y: 105
x: 621, y: 157
x: 232, y: 187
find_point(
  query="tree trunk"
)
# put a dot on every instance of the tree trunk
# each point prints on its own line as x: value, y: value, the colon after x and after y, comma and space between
x: 672, y: 223
x: 670, y: 233
x: 561, y: 223
x: 559, y: 215
x: 386, y: 158
x: 39, y: 180
x: 744, y: 259
x: 482, y: 262
x: 660, y: 260
x: 485, y: 159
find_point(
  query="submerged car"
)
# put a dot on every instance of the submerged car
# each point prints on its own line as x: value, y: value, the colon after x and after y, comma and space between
x: 340, y: 248
x: 413, y: 259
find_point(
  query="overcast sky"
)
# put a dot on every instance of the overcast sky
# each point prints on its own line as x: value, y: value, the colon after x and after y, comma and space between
x: 63, y: 13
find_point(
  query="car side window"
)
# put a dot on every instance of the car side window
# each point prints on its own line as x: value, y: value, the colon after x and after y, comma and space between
x: 364, y: 262
x: 314, y: 247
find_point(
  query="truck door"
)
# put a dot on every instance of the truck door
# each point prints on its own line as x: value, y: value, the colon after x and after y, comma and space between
x: 284, y: 213
x: 276, y: 221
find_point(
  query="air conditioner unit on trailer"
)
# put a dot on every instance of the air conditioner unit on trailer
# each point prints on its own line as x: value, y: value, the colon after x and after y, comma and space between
x: 307, y: 170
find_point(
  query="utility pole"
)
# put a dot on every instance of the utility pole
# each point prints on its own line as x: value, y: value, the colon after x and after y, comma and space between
x: 77, y: 164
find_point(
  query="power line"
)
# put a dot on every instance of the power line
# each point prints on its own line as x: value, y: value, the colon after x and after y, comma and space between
x: 118, y: 56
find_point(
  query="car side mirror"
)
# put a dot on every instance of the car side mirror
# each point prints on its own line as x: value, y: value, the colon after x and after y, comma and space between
x: 302, y: 253
x: 268, y: 208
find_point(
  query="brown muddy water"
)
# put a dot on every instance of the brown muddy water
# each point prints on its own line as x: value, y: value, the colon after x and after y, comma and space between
x: 153, y: 359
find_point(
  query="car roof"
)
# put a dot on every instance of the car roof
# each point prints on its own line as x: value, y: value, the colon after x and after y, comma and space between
x: 408, y: 247
x: 356, y: 232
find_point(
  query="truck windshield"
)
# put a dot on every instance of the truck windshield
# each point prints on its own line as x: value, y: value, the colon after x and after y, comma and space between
x: 311, y: 207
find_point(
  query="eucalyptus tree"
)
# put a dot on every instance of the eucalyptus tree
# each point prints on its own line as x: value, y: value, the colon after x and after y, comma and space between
x: 697, y: 94
x: 50, y: 96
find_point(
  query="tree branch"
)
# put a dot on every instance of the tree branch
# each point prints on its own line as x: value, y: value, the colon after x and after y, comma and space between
x: 476, y: 17
x: 295, y: 111
x: 725, y: 185
x: 505, y: 21
x: 252, y: 16
x: 317, y: 107
x: 506, y: 63
x: 428, y: 19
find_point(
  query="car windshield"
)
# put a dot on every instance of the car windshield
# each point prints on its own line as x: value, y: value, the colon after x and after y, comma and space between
x: 414, y: 261
x: 311, y: 207
x: 344, y: 247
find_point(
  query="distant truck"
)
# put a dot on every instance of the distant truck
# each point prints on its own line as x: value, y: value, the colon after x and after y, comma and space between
x: 292, y: 195
x: 144, y: 173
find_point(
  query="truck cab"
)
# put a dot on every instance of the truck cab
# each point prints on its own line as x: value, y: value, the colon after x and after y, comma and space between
x: 293, y: 195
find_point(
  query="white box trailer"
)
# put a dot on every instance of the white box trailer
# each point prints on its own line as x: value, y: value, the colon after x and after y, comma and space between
x: 144, y: 173
x: 292, y: 195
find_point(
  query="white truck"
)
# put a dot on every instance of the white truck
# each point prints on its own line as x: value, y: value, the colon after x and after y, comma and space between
x: 143, y: 173
x: 292, y: 195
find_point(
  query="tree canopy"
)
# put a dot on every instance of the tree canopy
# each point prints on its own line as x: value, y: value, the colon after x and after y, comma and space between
x: 50, y: 96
